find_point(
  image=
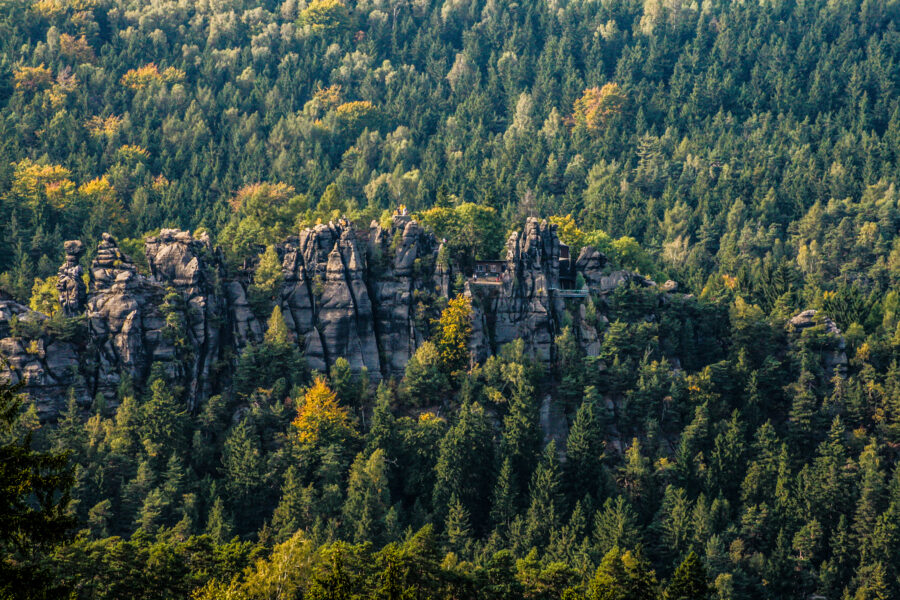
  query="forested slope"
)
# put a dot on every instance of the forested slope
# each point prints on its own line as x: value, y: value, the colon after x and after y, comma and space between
x: 731, y: 433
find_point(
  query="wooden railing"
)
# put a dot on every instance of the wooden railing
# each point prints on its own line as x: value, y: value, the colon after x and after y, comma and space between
x: 570, y: 293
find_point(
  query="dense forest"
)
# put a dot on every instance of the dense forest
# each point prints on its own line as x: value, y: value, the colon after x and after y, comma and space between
x: 736, y: 440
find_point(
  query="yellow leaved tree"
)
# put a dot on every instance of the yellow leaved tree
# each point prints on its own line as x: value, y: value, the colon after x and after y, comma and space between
x: 32, y: 79
x: 44, y: 296
x: 320, y: 418
x: 455, y: 329
x: 598, y: 105
x: 142, y: 77
x: 326, y: 15
x: 35, y: 184
x: 569, y: 233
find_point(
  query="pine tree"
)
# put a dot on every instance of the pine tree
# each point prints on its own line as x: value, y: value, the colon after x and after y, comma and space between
x: 634, y: 475
x: 99, y: 517
x: 277, y: 332
x: 464, y: 467
x: 34, y: 499
x: 505, y: 497
x: 727, y: 458
x: 804, y: 409
x: 522, y: 434
x: 268, y: 275
x: 383, y: 427
x: 70, y: 433
x: 152, y: 514
x: 871, y: 493
x: 623, y: 576
x: 293, y: 510
x: 616, y: 526
x: 244, y: 471
x: 425, y: 381
x: 163, y: 420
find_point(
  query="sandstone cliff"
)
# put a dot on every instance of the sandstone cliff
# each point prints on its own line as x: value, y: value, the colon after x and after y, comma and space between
x: 368, y: 296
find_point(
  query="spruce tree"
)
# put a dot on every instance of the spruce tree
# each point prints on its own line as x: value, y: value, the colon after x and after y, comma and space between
x: 368, y: 498
x: 522, y: 435
x: 464, y: 467
x: 34, y: 502
x: 584, y: 449
x: 504, y: 499
x: 458, y: 529
x: 544, y: 509
x: 292, y: 512
x: 689, y: 581
x: 218, y: 524
x: 616, y: 525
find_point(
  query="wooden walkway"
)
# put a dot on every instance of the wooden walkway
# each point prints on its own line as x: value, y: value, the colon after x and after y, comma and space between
x: 570, y: 293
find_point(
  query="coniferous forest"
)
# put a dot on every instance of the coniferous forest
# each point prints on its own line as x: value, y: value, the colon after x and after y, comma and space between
x: 450, y: 299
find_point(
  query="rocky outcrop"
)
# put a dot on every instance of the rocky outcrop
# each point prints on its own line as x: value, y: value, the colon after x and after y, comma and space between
x: 528, y: 306
x: 600, y: 278
x: 189, y: 266
x: 45, y: 364
x: 354, y: 295
x: 833, y: 346
x: 402, y: 281
x: 125, y: 320
x: 368, y: 296
x: 325, y: 300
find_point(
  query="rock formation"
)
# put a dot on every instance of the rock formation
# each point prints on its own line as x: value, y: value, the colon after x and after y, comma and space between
x: 124, y: 319
x: 189, y: 266
x: 48, y: 366
x: 368, y: 296
x: 70, y: 280
x: 835, y: 348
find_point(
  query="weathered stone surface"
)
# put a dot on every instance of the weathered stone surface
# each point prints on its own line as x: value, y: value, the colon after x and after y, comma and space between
x: 124, y: 319
x: 528, y: 305
x: 593, y: 266
x: 835, y: 354
x: 70, y: 280
x: 192, y: 268
x: 401, y: 285
x: 47, y: 367
x: 367, y: 296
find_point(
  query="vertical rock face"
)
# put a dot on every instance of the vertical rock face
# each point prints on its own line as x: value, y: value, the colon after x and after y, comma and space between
x: 365, y: 296
x: 528, y: 305
x: 124, y: 319
x: 346, y: 318
x: 191, y: 267
x: 70, y: 282
x: 401, y: 285
x: 312, y: 262
x: 48, y: 367
x: 346, y: 298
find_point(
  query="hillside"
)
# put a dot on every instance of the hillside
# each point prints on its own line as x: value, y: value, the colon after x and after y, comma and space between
x: 580, y: 299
